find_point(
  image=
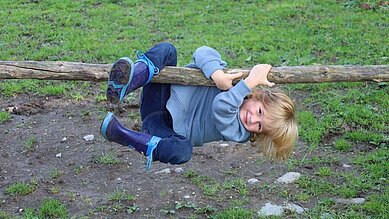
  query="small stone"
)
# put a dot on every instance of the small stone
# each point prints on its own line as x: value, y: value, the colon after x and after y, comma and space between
x: 186, y: 196
x: 350, y: 201
x: 271, y: 210
x: 64, y: 139
x: 346, y: 166
x: 21, y: 210
x: 59, y: 155
x: 167, y: 170
x: 252, y: 181
x: 89, y: 137
x: 289, y: 177
x: 258, y: 174
x: 294, y: 208
x: 179, y: 170
x: 224, y: 145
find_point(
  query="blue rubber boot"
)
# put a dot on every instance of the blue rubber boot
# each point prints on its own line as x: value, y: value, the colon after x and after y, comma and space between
x: 125, y: 76
x: 113, y: 131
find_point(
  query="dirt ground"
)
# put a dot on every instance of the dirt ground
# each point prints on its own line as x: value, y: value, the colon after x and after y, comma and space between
x: 84, y: 185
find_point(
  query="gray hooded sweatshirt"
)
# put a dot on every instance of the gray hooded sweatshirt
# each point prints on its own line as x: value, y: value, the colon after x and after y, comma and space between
x: 205, y: 114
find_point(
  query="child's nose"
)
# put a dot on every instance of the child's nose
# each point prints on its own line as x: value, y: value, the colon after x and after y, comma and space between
x: 256, y: 119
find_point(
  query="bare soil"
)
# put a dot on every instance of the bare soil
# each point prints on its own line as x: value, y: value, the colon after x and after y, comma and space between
x: 84, y: 186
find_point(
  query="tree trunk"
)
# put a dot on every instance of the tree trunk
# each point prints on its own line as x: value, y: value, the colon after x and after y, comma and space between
x: 187, y: 76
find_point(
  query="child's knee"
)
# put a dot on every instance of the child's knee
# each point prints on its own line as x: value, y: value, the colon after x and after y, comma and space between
x: 184, y: 154
x: 168, y: 47
x: 174, y: 151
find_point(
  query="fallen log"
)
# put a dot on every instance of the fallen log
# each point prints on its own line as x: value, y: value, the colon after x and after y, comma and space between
x: 180, y: 75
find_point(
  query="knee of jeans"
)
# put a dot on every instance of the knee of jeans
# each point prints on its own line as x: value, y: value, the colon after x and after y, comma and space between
x: 182, y: 154
x: 169, y: 47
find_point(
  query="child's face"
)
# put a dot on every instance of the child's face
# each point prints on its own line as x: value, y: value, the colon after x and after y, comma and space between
x: 254, y: 116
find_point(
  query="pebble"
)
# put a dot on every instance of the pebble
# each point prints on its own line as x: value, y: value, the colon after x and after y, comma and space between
x: 289, y: 177
x: 258, y: 174
x: 179, y: 170
x: 89, y: 137
x: 346, y: 166
x: 270, y: 209
x: 186, y: 196
x: 294, y: 208
x: 64, y: 139
x: 350, y: 200
x: 59, y: 155
x: 277, y: 210
x: 252, y: 181
x: 167, y: 170
x: 224, y: 145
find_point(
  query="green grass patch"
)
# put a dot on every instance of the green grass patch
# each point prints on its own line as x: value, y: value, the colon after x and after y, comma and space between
x: 119, y: 196
x: 237, y: 213
x: 364, y: 136
x: 4, y: 117
x: 4, y: 215
x: 108, y: 158
x: 238, y: 185
x: 324, y: 171
x: 53, y: 90
x: 49, y: 208
x: 21, y: 188
x: 342, y: 145
x: 52, y: 208
x: 55, y: 173
x: 30, y: 143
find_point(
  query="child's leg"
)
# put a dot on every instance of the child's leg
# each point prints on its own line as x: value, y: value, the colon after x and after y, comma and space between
x: 172, y: 148
x: 125, y: 76
x: 168, y: 147
x: 163, y: 54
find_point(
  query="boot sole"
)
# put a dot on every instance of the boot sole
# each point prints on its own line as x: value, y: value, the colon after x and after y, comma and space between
x: 117, y: 88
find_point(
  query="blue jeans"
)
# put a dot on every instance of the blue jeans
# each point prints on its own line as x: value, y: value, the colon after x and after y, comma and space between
x: 156, y: 119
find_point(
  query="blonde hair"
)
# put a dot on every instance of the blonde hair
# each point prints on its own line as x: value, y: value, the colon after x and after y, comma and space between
x: 278, y: 141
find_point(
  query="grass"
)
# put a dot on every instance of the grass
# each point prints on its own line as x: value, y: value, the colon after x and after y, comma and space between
x: 119, y: 196
x: 4, y: 117
x: 55, y: 173
x: 49, y: 208
x: 30, y: 143
x: 338, y: 122
x: 108, y: 158
x: 21, y: 188
x: 238, y: 213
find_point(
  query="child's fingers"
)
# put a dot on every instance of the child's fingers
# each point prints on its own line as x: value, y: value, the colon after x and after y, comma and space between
x: 235, y: 75
x: 270, y: 84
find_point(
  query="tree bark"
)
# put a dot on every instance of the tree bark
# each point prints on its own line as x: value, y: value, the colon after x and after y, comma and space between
x: 180, y: 75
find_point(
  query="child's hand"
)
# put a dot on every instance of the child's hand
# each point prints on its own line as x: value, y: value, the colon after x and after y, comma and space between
x: 258, y: 76
x: 224, y: 81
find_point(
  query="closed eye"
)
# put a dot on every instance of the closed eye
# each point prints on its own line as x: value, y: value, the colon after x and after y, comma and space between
x: 259, y: 124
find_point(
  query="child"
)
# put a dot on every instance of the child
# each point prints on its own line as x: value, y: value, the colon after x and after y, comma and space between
x: 176, y: 117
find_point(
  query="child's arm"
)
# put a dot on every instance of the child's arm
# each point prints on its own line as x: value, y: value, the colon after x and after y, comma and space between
x: 209, y: 61
x: 258, y: 76
x: 224, y: 81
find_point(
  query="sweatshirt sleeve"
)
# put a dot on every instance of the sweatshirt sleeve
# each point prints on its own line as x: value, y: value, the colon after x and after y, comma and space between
x: 226, y: 107
x: 208, y: 60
